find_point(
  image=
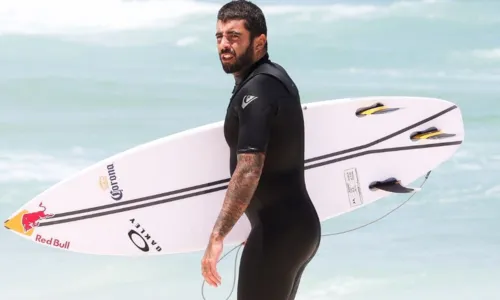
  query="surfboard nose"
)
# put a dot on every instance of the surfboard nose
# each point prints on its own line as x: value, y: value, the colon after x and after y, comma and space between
x: 6, y: 224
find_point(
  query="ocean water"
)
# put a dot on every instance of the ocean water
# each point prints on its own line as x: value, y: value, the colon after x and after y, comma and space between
x: 81, y: 80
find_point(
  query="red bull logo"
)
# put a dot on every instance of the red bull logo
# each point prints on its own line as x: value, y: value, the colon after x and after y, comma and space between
x: 32, y: 219
x: 25, y: 221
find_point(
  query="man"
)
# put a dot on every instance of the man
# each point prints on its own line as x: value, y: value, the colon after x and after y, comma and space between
x: 264, y: 129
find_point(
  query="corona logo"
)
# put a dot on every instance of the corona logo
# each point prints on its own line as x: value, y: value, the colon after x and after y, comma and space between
x: 103, y: 182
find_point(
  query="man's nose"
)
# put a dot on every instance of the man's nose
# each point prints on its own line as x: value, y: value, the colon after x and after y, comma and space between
x: 224, y: 42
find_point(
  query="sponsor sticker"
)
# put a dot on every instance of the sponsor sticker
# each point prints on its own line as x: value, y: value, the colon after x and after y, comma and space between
x: 141, y: 238
x: 26, y: 221
x: 353, y: 187
x: 110, y: 183
x: 52, y: 242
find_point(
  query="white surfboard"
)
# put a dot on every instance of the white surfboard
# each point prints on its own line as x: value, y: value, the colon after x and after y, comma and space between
x: 164, y: 196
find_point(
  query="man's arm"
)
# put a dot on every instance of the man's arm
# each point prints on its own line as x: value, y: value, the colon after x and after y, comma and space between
x: 239, y: 192
x: 255, y: 122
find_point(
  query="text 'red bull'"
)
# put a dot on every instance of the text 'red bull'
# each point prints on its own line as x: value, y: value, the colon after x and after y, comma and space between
x: 32, y: 219
x: 52, y: 242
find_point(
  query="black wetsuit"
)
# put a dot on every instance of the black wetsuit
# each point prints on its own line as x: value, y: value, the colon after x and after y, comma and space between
x: 265, y: 114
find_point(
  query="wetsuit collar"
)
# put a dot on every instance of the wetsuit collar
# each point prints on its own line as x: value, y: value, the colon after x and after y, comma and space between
x: 249, y: 71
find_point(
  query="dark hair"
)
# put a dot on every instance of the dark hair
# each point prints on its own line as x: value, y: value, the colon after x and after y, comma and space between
x: 255, y: 22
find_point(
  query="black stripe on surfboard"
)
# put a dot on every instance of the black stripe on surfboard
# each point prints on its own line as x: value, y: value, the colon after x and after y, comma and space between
x: 384, y: 150
x: 385, y: 138
x: 218, y: 182
x: 212, y: 190
x: 142, y: 199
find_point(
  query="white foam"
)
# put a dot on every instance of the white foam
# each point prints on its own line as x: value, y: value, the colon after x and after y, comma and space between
x: 91, y: 16
x: 325, y: 12
x: 488, y: 54
x: 462, y: 75
x: 339, y: 287
x: 33, y: 166
x: 187, y: 41
x: 493, y: 191
x: 85, y: 279
x: 95, y: 16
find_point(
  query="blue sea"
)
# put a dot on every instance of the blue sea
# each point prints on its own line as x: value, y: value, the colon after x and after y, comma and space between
x: 81, y: 80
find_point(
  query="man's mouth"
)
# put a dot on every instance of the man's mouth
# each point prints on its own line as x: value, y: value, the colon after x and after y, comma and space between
x: 227, y: 56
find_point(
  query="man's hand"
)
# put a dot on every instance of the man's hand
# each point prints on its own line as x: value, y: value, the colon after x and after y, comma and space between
x: 239, y: 193
x: 209, y: 262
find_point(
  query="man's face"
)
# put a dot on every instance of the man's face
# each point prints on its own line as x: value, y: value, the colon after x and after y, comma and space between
x: 234, y: 45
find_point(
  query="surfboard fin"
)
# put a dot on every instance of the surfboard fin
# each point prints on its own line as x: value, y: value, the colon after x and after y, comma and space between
x: 377, y: 108
x: 430, y: 134
x: 392, y: 185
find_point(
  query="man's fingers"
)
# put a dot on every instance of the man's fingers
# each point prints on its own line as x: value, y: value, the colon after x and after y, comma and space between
x: 212, y: 271
x: 208, y: 278
x: 209, y: 273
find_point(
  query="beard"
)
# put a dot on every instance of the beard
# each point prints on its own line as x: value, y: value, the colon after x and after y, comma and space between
x: 241, y: 62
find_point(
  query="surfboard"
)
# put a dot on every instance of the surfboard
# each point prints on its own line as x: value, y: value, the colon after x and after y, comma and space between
x: 163, y: 197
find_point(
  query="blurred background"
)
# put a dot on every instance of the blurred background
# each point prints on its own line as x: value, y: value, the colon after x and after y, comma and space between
x: 83, y: 79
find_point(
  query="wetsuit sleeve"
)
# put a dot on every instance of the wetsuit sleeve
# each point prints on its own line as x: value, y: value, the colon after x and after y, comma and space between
x: 257, y: 111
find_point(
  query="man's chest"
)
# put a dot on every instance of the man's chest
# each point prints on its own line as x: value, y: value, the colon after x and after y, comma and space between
x: 231, y: 122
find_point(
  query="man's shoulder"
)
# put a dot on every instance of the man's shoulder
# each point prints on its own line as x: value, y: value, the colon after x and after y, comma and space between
x: 272, y: 68
x: 265, y: 78
x: 265, y: 84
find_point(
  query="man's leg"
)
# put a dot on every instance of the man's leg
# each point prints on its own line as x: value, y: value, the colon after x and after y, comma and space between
x: 296, y: 282
x: 271, y: 264
x: 263, y: 274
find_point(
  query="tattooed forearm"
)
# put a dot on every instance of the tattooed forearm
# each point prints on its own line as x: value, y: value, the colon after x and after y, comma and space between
x: 239, y: 192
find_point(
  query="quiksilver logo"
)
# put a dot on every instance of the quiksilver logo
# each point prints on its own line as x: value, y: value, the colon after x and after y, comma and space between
x: 247, y: 100
x: 116, y: 192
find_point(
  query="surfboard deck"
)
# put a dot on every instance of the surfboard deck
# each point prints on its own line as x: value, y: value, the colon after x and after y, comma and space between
x: 164, y: 196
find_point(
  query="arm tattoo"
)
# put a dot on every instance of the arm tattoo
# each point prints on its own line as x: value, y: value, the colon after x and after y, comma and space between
x: 239, y: 192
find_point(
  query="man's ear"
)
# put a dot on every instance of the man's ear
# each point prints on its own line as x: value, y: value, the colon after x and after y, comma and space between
x: 261, y: 42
